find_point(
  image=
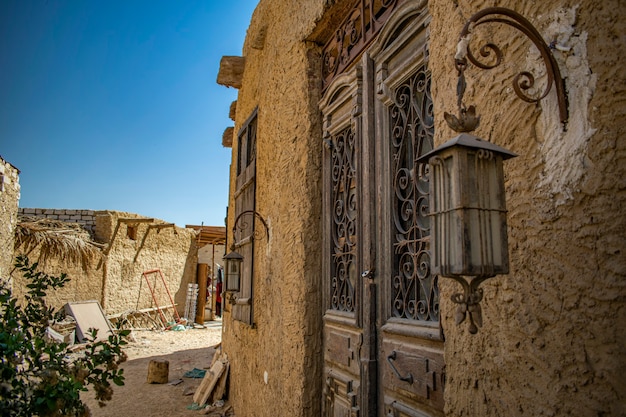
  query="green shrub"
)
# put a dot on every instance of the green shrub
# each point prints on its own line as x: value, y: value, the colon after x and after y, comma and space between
x: 41, y: 377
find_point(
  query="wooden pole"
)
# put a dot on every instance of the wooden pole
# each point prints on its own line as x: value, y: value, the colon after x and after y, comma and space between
x: 201, y: 277
x: 213, y: 277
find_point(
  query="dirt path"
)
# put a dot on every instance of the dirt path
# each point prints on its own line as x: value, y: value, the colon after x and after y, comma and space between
x: 185, y: 350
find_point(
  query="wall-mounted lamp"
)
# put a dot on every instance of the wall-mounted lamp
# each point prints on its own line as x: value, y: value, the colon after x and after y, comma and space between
x: 468, y: 217
x: 234, y: 260
x: 467, y: 196
x: 232, y: 263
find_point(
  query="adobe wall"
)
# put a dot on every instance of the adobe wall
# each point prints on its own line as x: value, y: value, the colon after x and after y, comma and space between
x: 279, y: 79
x: 209, y: 253
x: 554, y: 336
x: 9, y: 200
x: 172, y: 250
x: 115, y: 279
x: 553, y: 340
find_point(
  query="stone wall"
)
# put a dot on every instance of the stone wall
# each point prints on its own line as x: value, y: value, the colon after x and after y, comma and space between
x: 554, y: 336
x: 86, y: 218
x: 9, y: 200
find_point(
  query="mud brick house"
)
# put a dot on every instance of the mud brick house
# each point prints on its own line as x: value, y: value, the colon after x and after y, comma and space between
x: 125, y: 245
x: 338, y: 312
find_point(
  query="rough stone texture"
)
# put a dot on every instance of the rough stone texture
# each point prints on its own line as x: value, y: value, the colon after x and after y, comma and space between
x: 9, y: 199
x: 554, y: 336
x: 553, y: 342
x: 231, y: 71
x: 281, y: 79
x: 116, y: 282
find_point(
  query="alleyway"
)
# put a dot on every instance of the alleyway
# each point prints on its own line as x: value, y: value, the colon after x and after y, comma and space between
x: 185, y: 350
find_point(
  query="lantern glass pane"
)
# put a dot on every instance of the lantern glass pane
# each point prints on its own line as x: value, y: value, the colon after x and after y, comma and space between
x: 468, y: 209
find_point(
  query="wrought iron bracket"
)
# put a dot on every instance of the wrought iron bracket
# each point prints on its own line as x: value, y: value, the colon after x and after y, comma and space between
x: 524, y: 81
x: 469, y: 302
x: 242, y: 224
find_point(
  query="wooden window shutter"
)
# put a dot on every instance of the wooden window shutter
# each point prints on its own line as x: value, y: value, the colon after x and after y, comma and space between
x: 245, y: 200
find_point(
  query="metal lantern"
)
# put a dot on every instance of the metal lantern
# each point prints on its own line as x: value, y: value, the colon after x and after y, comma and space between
x: 232, y: 265
x: 468, y: 216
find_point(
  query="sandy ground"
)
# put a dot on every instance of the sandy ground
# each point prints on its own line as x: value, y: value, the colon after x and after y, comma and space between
x: 185, y: 350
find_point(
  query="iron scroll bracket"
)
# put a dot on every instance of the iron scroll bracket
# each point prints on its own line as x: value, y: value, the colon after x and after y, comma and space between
x: 242, y: 224
x: 523, y: 82
x: 390, y: 359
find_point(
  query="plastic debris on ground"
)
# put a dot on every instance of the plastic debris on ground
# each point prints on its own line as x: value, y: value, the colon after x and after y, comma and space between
x: 195, y: 373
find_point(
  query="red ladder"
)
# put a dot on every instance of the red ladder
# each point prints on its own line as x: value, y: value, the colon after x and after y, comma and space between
x: 156, y: 303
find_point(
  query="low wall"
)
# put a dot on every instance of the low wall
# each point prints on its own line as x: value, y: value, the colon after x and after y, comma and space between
x: 87, y: 218
x: 9, y: 198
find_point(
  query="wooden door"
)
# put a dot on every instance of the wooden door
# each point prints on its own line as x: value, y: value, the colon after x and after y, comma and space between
x: 383, y: 347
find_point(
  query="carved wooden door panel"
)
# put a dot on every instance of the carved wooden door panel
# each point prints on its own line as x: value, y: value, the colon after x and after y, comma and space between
x: 383, y: 347
x: 343, y: 324
x: 410, y: 340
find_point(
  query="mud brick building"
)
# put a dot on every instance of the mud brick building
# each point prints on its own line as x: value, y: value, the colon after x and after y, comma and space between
x: 338, y: 313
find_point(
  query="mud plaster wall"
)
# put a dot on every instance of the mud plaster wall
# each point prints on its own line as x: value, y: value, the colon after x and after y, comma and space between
x: 206, y: 252
x: 281, y: 79
x: 172, y: 250
x: 553, y: 341
x: 9, y: 199
x: 116, y: 282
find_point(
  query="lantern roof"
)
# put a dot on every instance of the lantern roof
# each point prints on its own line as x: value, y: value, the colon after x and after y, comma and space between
x: 469, y: 141
x: 233, y: 255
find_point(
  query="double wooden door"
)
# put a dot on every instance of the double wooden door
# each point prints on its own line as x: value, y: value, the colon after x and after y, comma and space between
x: 382, y: 339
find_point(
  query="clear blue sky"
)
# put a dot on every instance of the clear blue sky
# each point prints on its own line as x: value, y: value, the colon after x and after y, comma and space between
x: 113, y: 104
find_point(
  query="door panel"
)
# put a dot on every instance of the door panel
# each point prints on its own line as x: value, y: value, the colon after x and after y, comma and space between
x: 383, y: 346
x: 410, y: 352
x: 343, y: 331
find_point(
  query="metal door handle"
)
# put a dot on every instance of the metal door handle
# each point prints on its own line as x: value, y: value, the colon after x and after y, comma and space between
x: 390, y: 359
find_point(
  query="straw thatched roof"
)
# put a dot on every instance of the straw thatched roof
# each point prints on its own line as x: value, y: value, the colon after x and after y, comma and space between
x: 56, y: 240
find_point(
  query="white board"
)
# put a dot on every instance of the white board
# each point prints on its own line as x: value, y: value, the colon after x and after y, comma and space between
x: 89, y: 314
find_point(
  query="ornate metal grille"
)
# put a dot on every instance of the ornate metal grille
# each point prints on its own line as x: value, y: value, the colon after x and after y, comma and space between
x: 414, y: 290
x: 360, y: 27
x: 344, y: 217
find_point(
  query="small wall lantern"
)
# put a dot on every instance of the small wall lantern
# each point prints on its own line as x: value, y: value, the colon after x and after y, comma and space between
x: 468, y: 217
x: 232, y: 265
x: 467, y: 199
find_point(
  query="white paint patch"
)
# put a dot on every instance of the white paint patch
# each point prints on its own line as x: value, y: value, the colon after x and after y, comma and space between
x: 265, y: 377
x: 564, y: 152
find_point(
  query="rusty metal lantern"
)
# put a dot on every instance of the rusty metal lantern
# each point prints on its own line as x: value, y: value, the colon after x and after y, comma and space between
x: 468, y: 217
x: 468, y: 236
x: 232, y: 265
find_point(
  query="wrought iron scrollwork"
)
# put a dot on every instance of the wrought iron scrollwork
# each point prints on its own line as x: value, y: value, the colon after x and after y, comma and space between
x: 344, y: 217
x: 523, y: 82
x: 245, y: 221
x: 360, y: 27
x: 414, y: 290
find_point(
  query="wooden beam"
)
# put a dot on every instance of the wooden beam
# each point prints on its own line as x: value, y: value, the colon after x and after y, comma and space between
x: 231, y: 71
